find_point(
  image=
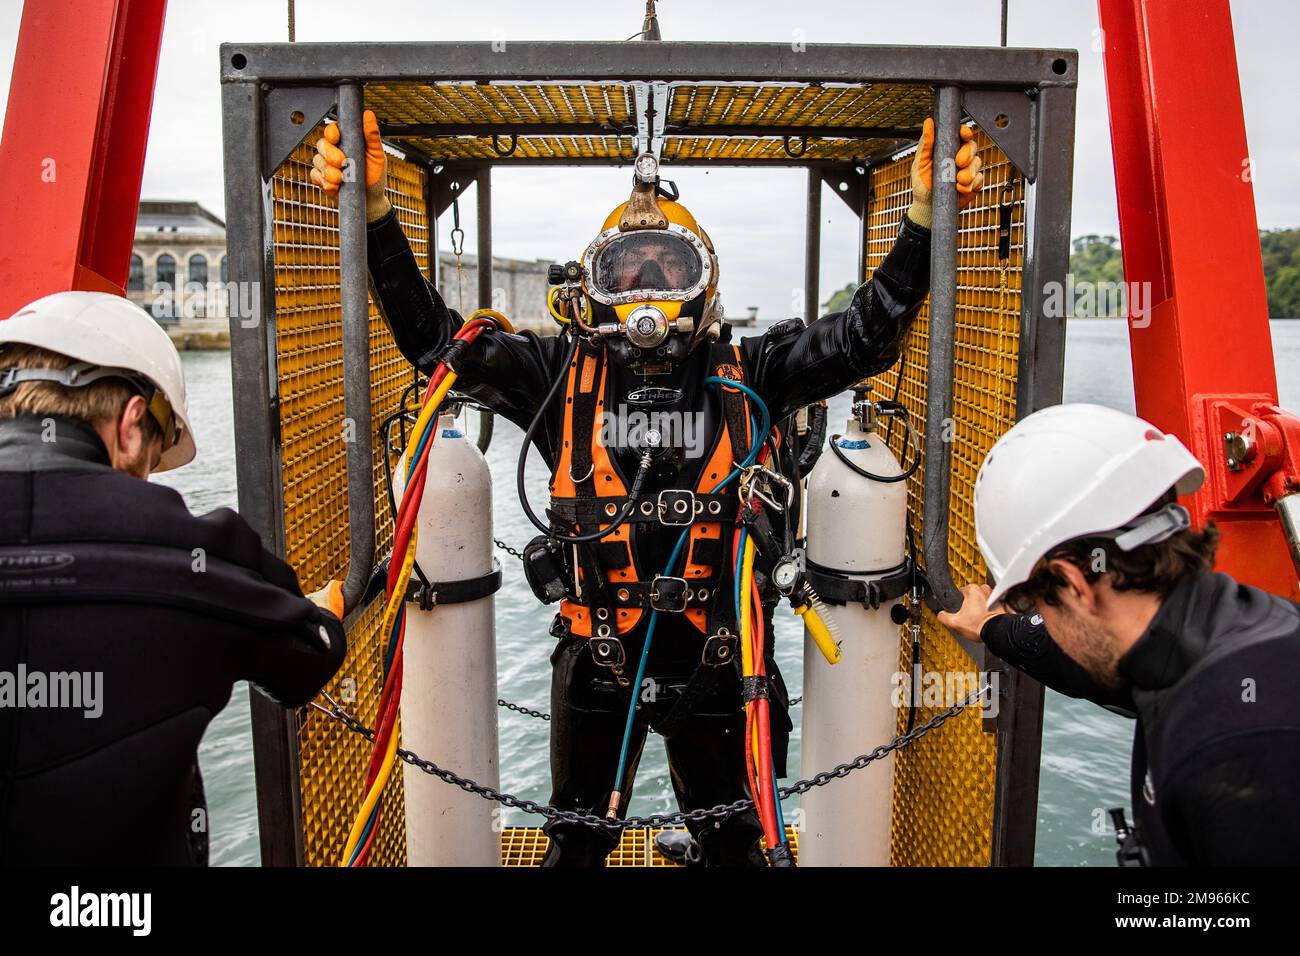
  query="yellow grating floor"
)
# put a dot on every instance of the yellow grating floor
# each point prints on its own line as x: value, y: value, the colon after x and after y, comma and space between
x: 944, y: 784
x: 309, y: 357
x: 526, y: 846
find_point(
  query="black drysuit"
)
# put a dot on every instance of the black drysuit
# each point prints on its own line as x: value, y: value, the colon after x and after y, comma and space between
x: 789, y: 367
x: 1216, y: 753
x: 124, y: 622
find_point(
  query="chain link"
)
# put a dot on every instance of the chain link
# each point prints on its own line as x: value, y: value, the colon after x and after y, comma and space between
x: 526, y: 711
x: 529, y: 712
x: 507, y: 549
x: 657, y: 820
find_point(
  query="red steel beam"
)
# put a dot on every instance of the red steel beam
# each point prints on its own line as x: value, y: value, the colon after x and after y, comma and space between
x: 74, y: 145
x: 1202, y: 350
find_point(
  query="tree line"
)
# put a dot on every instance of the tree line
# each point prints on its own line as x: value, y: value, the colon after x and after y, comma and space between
x: 1096, y: 260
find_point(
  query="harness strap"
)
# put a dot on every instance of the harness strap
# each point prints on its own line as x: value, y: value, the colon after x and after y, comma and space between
x: 646, y: 510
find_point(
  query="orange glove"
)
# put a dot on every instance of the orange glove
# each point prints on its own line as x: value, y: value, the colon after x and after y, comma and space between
x: 329, y: 598
x: 970, y: 178
x: 329, y: 161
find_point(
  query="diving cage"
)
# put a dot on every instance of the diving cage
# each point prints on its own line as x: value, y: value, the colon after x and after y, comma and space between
x: 980, y: 356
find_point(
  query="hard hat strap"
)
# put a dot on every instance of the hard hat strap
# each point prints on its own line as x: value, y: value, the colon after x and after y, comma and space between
x: 82, y: 374
x: 1153, y: 528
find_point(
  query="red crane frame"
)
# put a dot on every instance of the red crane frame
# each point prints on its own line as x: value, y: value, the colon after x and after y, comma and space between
x: 1202, y: 353
x: 74, y: 144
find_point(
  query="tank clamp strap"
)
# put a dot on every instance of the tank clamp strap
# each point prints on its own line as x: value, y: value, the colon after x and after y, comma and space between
x: 836, y: 587
x: 753, y: 688
x: 435, y: 593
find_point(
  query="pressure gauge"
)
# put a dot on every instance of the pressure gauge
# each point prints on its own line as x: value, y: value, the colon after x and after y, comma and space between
x: 785, y: 573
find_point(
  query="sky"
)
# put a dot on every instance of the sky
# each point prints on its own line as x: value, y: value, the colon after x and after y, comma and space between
x: 755, y: 217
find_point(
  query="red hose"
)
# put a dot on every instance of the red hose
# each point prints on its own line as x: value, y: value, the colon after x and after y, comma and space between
x: 404, y: 524
x: 762, y: 714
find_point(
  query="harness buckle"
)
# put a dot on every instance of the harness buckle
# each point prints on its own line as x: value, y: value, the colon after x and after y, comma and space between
x: 668, y: 594
x: 608, y: 652
x: 676, y: 507
x: 719, y: 649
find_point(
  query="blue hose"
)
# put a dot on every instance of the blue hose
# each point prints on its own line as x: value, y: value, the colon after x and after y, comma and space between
x: 754, y: 449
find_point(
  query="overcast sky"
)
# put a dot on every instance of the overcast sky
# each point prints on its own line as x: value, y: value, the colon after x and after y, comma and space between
x: 754, y: 217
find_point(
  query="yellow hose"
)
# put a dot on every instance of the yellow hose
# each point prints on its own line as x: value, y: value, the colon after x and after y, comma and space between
x: 746, y: 607
x: 747, y: 667
x: 385, y: 770
x: 818, y: 632
x: 550, y: 307
x: 502, y: 322
x: 428, y: 413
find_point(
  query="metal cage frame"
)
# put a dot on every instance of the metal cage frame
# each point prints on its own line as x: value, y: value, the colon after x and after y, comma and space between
x: 274, y: 94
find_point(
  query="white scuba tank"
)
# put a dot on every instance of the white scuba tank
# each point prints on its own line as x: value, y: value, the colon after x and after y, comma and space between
x: 449, y: 675
x: 854, y: 526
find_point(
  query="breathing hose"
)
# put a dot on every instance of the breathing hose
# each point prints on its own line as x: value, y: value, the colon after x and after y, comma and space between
x: 383, y: 756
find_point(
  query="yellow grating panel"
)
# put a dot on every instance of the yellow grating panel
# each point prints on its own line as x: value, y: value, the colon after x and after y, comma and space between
x: 498, y: 103
x: 526, y: 846
x: 943, y: 791
x: 608, y: 106
x: 786, y: 104
x: 309, y: 369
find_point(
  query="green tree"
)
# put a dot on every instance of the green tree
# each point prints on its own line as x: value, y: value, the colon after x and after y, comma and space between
x: 1097, y: 260
x: 840, y: 299
x: 1280, y: 250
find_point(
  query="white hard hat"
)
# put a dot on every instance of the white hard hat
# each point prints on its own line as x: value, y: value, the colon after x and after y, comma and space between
x: 1066, y: 472
x: 108, y: 331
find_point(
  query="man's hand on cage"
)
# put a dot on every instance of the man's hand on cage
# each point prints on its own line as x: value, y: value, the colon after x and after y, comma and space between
x: 966, y: 168
x: 329, y: 161
x: 968, y: 621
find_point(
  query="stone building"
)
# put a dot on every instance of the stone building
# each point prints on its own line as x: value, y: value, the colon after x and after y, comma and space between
x: 178, y: 265
x: 519, y: 288
x: 179, y: 274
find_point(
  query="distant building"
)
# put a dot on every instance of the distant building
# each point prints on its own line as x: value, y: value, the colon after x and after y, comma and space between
x: 179, y: 274
x: 519, y: 287
x: 178, y: 264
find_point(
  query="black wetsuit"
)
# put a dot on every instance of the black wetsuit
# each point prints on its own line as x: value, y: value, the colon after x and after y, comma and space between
x: 1216, y: 754
x: 790, y: 366
x: 142, y: 616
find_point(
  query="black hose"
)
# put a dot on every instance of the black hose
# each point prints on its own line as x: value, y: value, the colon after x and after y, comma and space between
x: 546, y: 529
x: 889, y: 479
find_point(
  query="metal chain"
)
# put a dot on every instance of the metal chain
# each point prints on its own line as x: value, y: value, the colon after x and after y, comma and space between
x: 657, y: 820
x: 526, y: 711
x: 507, y: 549
x: 529, y: 712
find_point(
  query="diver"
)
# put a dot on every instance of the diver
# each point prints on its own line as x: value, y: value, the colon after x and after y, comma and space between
x: 611, y: 406
x: 1115, y: 600
x: 124, y: 620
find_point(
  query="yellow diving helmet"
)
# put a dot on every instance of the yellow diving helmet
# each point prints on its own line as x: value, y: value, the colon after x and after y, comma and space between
x: 651, y: 278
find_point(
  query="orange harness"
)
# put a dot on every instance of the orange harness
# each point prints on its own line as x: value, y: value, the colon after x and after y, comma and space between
x: 588, y: 491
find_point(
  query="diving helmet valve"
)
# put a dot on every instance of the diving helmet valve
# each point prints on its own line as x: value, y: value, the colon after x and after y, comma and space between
x: 646, y: 327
